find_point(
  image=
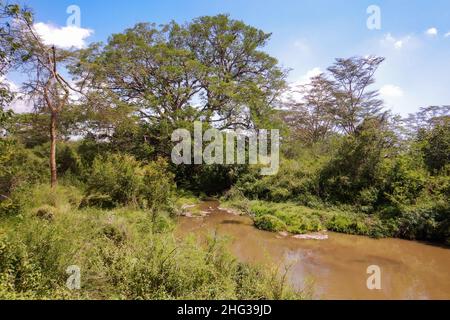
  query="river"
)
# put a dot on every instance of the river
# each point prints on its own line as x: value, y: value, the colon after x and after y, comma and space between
x: 337, y: 267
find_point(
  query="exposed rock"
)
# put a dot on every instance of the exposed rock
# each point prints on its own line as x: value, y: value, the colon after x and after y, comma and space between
x: 311, y: 236
x: 187, y: 206
x: 230, y: 211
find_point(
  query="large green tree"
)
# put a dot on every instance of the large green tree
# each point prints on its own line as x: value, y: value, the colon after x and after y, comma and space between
x: 211, y: 69
x: 312, y: 118
x: 355, y: 100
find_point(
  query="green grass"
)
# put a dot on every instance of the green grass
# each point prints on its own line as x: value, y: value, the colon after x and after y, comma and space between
x: 121, y: 256
x: 297, y: 219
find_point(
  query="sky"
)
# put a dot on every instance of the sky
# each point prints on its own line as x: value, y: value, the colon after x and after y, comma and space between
x: 307, y: 35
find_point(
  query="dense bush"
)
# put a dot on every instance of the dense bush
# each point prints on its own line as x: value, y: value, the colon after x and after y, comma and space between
x: 270, y: 223
x: 436, y: 146
x: 127, y: 181
x: 296, y: 180
x: 287, y: 217
x: 19, y: 169
x: 119, y: 176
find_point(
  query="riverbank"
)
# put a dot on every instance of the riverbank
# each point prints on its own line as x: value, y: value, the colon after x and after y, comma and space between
x: 121, y: 253
x: 297, y: 219
x: 337, y: 267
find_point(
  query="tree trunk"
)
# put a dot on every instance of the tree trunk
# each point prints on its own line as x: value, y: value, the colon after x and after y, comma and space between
x: 53, y: 133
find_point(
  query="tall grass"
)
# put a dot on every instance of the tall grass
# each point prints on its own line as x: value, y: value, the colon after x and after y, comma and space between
x: 121, y: 255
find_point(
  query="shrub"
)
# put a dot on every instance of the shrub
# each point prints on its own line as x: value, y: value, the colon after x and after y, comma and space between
x: 270, y: 223
x: 46, y: 213
x: 61, y: 197
x: 19, y: 168
x: 115, y: 234
x: 436, y: 146
x: 347, y: 224
x: 128, y: 182
x: 68, y: 160
x: 235, y: 198
x: 119, y: 176
x: 305, y: 224
x: 157, y: 185
x: 261, y: 209
x: 102, y: 201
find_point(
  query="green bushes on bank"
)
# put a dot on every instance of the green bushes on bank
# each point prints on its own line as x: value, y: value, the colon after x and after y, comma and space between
x: 122, y: 180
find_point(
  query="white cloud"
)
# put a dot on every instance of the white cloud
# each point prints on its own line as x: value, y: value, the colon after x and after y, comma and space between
x: 305, y: 79
x: 20, y: 104
x: 432, y: 32
x: 447, y: 35
x: 310, y: 74
x: 391, y: 91
x: 63, y: 37
x: 398, y: 43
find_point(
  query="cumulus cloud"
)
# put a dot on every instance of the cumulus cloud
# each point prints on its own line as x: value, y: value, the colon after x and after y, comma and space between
x: 447, y: 35
x: 302, y: 81
x: 391, y: 91
x: 20, y: 104
x: 397, y: 43
x: 432, y: 32
x: 63, y: 37
x: 306, y: 78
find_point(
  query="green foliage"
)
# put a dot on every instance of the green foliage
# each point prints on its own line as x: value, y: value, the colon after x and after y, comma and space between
x: 121, y: 259
x: 436, y: 146
x: 427, y: 223
x: 68, y: 160
x: 119, y: 176
x: 270, y: 223
x: 287, y: 217
x: 19, y: 168
x: 405, y: 182
x: 46, y: 212
x: 123, y: 180
x: 296, y: 180
x: 347, y: 224
x: 358, y: 164
x: 102, y: 201
x: 62, y: 197
x: 157, y: 184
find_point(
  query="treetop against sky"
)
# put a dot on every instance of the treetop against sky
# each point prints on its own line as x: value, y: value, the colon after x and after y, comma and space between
x: 307, y: 36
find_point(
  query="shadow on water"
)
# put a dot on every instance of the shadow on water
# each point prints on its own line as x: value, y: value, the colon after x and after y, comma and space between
x: 231, y: 222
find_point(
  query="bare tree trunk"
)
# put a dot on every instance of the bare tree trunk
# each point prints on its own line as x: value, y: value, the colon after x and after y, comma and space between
x: 53, y: 134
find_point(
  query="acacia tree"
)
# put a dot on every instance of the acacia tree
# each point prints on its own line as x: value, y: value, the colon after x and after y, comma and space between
x: 312, y: 118
x: 41, y: 63
x: 355, y: 101
x: 427, y: 118
x: 211, y: 69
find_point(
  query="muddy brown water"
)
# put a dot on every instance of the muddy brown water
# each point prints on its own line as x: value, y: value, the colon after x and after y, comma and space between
x: 337, y: 267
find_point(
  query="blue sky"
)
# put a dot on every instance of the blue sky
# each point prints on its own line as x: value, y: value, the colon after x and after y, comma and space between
x: 307, y: 35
